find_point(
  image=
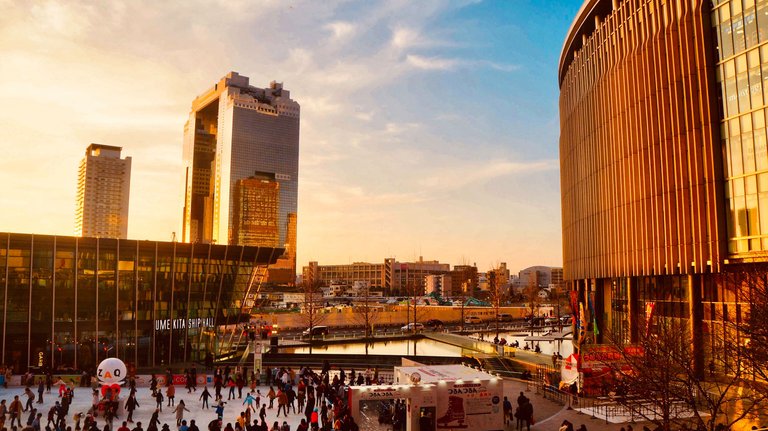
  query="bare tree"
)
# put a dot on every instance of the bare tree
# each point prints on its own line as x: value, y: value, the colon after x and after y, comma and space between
x: 366, y: 312
x: 657, y: 379
x: 497, y: 295
x: 312, y: 310
x: 533, y: 301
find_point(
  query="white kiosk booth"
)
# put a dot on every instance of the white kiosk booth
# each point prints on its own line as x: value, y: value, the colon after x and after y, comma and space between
x: 439, y: 397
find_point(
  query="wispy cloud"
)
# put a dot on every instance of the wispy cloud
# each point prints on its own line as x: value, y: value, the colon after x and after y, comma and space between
x: 456, y: 177
x: 431, y: 63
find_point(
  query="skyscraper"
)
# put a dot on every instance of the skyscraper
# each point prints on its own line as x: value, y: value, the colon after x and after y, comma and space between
x: 241, y: 161
x: 103, y: 189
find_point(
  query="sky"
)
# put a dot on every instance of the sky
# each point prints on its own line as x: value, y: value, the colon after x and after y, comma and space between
x: 428, y: 128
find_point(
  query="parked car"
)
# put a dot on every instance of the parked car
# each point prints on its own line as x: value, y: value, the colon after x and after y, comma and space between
x: 566, y: 319
x: 505, y: 317
x: 316, y: 331
x: 434, y: 323
x: 411, y: 326
x: 536, y: 321
x: 551, y: 321
x: 473, y: 319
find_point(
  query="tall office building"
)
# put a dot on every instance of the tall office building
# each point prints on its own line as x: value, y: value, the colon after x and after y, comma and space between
x: 103, y: 189
x: 241, y: 161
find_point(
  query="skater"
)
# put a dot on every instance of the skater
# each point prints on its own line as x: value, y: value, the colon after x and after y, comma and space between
x: 282, y: 403
x: 179, y: 410
x: 154, y: 421
x: 220, y: 410
x: 153, y: 384
x: 263, y: 412
x: 249, y: 399
x: 204, y: 396
x: 30, y: 398
x: 159, y: 406
x: 271, y: 395
x: 130, y: 405
x: 40, y: 390
x: 171, y: 393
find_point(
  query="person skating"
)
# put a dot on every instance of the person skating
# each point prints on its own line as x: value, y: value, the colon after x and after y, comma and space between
x: 271, y: 395
x: 30, y: 398
x: 204, y: 396
x: 130, y: 405
x: 263, y: 412
x: 220, y: 410
x: 159, y: 403
x: 154, y: 421
x: 231, y: 385
x: 249, y: 400
x: 40, y: 390
x: 153, y: 384
x: 282, y: 403
x: 171, y: 394
x: 179, y: 410
x: 14, y: 410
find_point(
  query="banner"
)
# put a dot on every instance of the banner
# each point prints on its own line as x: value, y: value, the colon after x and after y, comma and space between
x: 474, y: 405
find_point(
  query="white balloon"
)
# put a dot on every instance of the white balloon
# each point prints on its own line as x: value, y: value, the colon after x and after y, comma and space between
x: 111, y: 370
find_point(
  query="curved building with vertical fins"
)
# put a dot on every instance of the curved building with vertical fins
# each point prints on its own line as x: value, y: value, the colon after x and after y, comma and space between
x: 664, y: 170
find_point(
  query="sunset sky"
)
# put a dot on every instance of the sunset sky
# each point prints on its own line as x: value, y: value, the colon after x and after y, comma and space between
x: 428, y: 128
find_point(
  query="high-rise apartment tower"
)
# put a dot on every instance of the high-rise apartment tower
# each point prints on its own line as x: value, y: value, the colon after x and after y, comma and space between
x: 241, y: 167
x: 103, y: 189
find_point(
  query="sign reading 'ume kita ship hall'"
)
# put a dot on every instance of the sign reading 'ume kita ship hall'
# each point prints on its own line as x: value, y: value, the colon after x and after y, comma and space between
x: 198, y: 322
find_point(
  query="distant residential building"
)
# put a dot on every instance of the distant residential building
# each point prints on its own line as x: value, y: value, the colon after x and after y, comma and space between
x: 464, y: 280
x: 392, y: 277
x: 439, y: 283
x: 103, y: 191
x: 540, y: 276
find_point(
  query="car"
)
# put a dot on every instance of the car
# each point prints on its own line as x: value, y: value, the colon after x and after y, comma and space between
x: 504, y: 317
x: 536, y: 321
x: 566, y: 319
x: 473, y: 319
x: 434, y: 323
x: 411, y: 326
x: 551, y: 321
x: 316, y: 331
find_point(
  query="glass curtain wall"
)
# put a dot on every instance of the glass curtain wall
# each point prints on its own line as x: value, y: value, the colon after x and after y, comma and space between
x: 68, y: 303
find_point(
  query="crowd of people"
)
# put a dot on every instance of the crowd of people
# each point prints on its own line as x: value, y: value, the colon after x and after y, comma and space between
x: 236, y: 402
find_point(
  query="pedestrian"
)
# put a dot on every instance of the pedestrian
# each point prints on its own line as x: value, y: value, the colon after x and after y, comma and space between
x: 527, y: 414
x: 275, y: 427
x: 183, y: 426
x: 193, y: 426
x: 124, y: 427
x: 507, y: 410
x: 138, y: 427
x: 179, y: 410
x: 204, y: 396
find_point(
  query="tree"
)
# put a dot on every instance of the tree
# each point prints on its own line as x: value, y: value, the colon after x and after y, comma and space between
x: 365, y: 312
x: 312, y: 310
x: 497, y: 296
x: 532, y: 298
x: 657, y: 379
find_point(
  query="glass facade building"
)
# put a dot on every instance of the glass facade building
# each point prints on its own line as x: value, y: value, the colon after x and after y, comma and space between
x: 71, y: 302
x: 237, y: 131
x: 664, y: 168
